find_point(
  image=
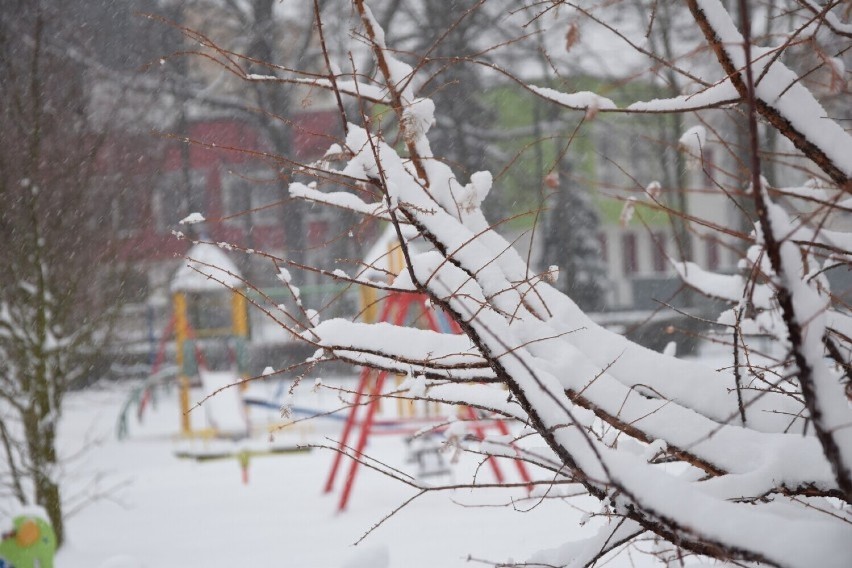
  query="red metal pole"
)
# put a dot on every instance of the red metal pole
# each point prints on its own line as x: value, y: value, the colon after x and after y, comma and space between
x: 522, y: 468
x: 353, y: 412
x: 347, y: 428
x: 362, y: 440
x: 158, y: 361
x: 480, y: 431
x: 404, y: 302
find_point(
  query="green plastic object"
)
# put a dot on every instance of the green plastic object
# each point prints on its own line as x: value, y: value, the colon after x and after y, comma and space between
x: 31, y: 544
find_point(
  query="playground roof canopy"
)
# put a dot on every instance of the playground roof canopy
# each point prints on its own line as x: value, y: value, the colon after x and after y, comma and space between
x: 207, y: 269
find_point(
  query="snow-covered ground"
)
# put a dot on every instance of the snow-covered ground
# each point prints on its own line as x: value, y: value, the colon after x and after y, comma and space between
x: 155, y: 510
x: 134, y: 504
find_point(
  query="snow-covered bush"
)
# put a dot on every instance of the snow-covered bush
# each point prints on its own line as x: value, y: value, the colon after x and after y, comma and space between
x: 765, y: 455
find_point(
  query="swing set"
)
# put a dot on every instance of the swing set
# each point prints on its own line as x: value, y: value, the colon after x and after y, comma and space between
x: 397, y: 309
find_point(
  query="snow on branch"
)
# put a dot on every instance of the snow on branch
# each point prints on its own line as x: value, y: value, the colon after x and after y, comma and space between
x: 405, y: 349
x: 781, y: 97
x: 721, y: 94
x: 714, y: 96
x: 342, y: 199
x: 580, y: 101
x: 749, y: 462
x: 824, y: 394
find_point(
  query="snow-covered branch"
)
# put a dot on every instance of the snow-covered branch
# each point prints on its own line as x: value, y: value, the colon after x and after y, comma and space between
x: 750, y: 457
x: 781, y: 98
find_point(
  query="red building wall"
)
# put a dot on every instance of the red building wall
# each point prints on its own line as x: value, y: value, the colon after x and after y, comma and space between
x: 211, y: 149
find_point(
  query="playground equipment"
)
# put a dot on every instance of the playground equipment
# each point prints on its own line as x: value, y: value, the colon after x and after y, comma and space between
x: 209, y: 307
x: 209, y: 325
x: 427, y: 452
x: 30, y: 544
x: 144, y: 395
x: 210, y: 330
x: 399, y: 308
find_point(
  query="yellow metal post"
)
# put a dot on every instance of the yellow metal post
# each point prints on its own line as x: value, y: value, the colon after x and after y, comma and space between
x: 181, y: 335
x: 239, y: 314
x: 404, y: 408
x: 240, y: 325
x: 369, y: 306
x: 185, y: 423
x: 396, y: 261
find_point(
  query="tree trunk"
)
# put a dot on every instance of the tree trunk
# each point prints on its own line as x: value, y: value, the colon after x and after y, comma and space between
x: 47, y: 496
x: 40, y: 435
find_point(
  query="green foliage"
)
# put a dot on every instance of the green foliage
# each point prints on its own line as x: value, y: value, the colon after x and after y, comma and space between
x: 529, y: 153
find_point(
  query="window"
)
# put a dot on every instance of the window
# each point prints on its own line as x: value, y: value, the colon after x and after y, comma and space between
x: 712, y: 251
x: 209, y: 312
x: 630, y: 262
x: 658, y: 252
x: 317, y: 232
x: 236, y: 199
x: 266, y: 200
x: 709, y: 166
x: 120, y: 202
x: 603, y: 249
x: 128, y: 211
x: 257, y: 193
x: 134, y: 285
x: 174, y: 200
